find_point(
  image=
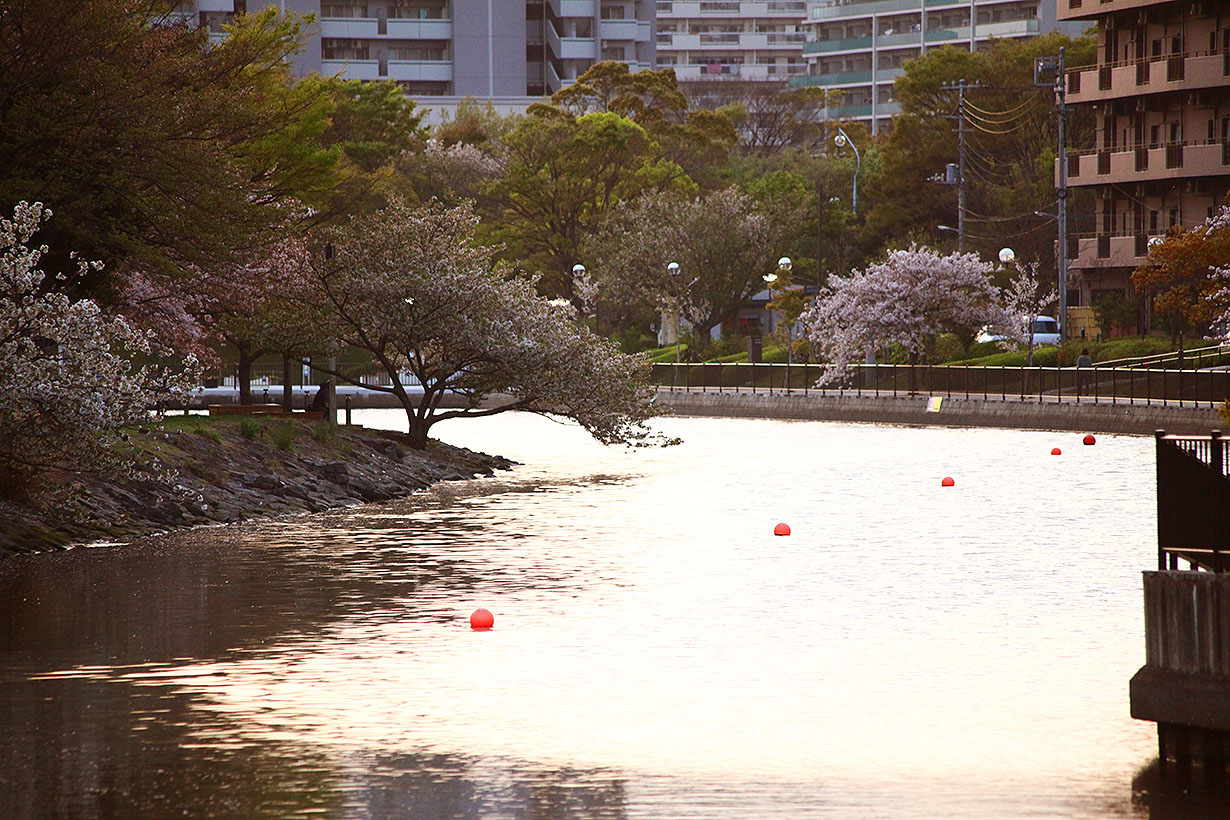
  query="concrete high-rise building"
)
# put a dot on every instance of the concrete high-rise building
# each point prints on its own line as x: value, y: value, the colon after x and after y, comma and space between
x: 858, y: 47
x: 507, y: 51
x: 721, y: 39
x: 1161, y: 94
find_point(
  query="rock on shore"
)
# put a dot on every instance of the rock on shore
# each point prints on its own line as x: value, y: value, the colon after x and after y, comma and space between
x: 229, y: 470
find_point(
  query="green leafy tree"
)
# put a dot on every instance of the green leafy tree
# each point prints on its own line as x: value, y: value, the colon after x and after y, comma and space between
x: 1011, y: 145
x: 373, y: 127
x: 156, y: 149
x: 721, y: 242
x: 562, y: 174
x: 696, y: 139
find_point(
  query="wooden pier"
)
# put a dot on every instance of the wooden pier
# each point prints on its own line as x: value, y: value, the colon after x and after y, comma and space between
x: 1184, y: 685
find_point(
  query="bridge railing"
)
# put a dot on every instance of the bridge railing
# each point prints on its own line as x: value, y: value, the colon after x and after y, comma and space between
x: 1111, y: 385
x: 1193, y: 502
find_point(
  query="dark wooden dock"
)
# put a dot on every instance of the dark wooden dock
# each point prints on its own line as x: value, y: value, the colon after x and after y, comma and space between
x: 1184, y: 685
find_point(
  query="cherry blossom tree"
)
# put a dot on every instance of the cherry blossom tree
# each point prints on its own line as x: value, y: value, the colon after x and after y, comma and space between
x: 410, y: 286
x: 71, y: 377
x: 1022, y: 301
x: 907, y: 299
x: 256, y: 303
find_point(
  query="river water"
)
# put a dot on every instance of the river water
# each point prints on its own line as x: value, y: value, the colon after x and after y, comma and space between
x: 910, y: 651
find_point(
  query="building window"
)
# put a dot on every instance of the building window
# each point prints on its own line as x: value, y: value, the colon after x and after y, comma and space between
x: 419, y: 10
x: 612, y: 12
x: 613, y: 53
x: 343, y: 10
x: 419, y: 52
x: 337, y: 49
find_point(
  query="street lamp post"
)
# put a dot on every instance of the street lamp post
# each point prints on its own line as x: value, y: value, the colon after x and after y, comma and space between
x: 578, y: 270
x: 673, y: 270
x: 784, y: 265
x: 841, y: 141
x: 769, y: 279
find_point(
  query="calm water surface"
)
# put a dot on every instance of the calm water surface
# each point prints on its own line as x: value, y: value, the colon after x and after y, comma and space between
x: 910, y: 651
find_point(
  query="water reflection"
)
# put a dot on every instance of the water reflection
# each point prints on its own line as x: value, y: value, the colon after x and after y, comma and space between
x: 657, y: 652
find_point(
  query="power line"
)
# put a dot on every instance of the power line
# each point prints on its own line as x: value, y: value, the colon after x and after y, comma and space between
x: 1001, y: 113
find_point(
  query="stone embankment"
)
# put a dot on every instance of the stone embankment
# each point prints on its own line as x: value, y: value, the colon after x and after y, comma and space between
x: 231, y: 471
x: 1102, y: 417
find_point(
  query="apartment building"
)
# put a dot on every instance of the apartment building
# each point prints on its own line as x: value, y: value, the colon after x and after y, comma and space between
x: 858, y: 47
x: 713, y: 40
x: 509, y: 51
x: 1161, y: 94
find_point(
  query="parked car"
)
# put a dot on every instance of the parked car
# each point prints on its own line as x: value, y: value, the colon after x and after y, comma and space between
x: 1046, y: 332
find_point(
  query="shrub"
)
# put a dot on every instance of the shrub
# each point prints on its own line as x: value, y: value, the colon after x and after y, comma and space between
x: 324, y: 433
x: 284, y: 436
x: 250, y: 429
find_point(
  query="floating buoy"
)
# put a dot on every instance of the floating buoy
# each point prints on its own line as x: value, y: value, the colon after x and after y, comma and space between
x: 947, y: 482
x: 781, y: 529
x: 1089, y: 439
x: 482, y: 619
x: 1055, y: 451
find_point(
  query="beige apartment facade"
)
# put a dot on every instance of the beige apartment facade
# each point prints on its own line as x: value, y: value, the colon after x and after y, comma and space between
x: 1160, y: 92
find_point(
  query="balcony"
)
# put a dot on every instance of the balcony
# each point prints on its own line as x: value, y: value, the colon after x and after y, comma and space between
x: 572, y: 8
x: 352, y: 69
x: 440, y: 70
x: 790, y: 9
x: 1109, y: 250
x: 430, y: 29
x: 571, y: 48
x: 1206, y: 69
x: 1132, y: 164
x: 1081, y: 9
x: 715, y: 71
x: 827, y: 46
x: 618, y: 29
x: 349, y: 28
x: 842, y: 78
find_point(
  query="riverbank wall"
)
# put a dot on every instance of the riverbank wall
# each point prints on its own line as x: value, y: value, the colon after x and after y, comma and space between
x: 1102, y: 417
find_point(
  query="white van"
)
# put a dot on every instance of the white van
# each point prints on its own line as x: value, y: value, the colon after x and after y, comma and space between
x: 1046, y: 332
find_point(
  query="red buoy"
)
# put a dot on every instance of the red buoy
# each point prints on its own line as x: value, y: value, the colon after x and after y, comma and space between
x: 1089, y: 439
x: 948, y: 482
x: 781, y: 529
x: 1055, y: 451
x: 482, y: 619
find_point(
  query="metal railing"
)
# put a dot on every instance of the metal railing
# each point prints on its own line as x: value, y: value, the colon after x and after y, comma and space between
x: 269, y: 374
x: 1193, y: 502
x: 1110, y: 385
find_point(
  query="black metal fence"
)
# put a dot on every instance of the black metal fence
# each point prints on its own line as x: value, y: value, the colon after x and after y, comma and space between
x: 1204, y: 386
x: 1193, y: 502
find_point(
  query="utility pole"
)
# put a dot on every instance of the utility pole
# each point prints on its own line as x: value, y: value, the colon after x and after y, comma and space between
x: 961, y: 87
x: 961, y: 164
x: 821, y: 202
x: 1060, y: 84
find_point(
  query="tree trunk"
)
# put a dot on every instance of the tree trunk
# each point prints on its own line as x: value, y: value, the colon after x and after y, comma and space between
x: 244, y: 375
x: 418, y: 430
x: 288, y: 377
